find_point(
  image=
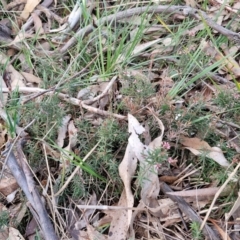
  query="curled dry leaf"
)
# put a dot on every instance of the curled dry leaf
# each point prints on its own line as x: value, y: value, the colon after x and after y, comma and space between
x: 137, y: 151
x: 66, y: 156
x: 150, y: 184
x: 14, y: 78
x: 128, y: 165
x: 37, y: 24
x: 8, y: 185
x: 199, y: 147
x: 11, y: 196
x: 202, y: 192
x: 94, y: 234
x: 195, y: 143
x: 119, y: 224
x: 14, y: 234
x: 29, y: 7
x: 72, y: 132
x: 63, y: 130
x: 31, y: 78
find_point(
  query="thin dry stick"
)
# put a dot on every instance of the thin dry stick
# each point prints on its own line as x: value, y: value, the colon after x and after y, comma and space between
x: 71, y: 100
x: 218, y: 193
x: 102, y: 112
x: 52, y: 192
x: 75, y: 171
x: 182, y: 10
x: 24, y: 180
x: 105, y: 207
x: 91, y: 101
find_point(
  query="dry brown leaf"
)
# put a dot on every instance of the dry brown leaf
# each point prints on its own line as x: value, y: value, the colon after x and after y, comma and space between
x: 119, y: 225
x: 31, y: 78
x: 199, y: 147
x: 18, y: 211
x: 66, y: 156
x: 72, y: 133
x: 232, y: 65
x: 31, y: 228
x: 15, y: 78
x: 14, y: 234
x: 29, y: 7
x: 37, y: 24
x: 93, y: 234
x: 195, y: 143
x: 150, y: 183
x: 192, y: 32
x: 4, y: 233
x: 127, y: 169
x: 199, y: 192
x: 43, y: 45
x: 63, y: 130
x: 8, y: 185
x: 191, y: 3
x: 11, y: 196
x: 128, y: 165
x: 20, y: 37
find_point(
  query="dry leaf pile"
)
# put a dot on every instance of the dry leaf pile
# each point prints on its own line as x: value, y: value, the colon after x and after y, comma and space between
x: 119, y: 119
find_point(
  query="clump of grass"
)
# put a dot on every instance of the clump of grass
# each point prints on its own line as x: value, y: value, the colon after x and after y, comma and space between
x: 4, y: 219
x: 77, y: 188
x: 112, y: 137
x: 195, y: 230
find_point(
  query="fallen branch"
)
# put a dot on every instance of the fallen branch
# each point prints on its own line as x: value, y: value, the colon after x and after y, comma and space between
x: 182, y: 10
x: 71, y: 100
x: 26, y: 183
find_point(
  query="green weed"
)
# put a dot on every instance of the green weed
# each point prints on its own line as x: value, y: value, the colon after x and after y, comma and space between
x: 4, y: 219
x: 195, y: 230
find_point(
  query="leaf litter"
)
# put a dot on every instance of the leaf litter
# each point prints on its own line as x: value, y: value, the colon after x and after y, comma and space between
x: 74, y: 78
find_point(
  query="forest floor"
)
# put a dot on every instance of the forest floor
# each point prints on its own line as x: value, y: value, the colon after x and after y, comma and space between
x: 120, y: 119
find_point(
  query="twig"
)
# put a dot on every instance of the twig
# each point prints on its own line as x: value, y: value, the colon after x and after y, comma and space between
x: 91, y: 101
x: 32, y: 196
x: 102, y: 112
x: 36, y: 203
x: 105, y: 207
x: 182, y: 10
x: 67, y: 98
